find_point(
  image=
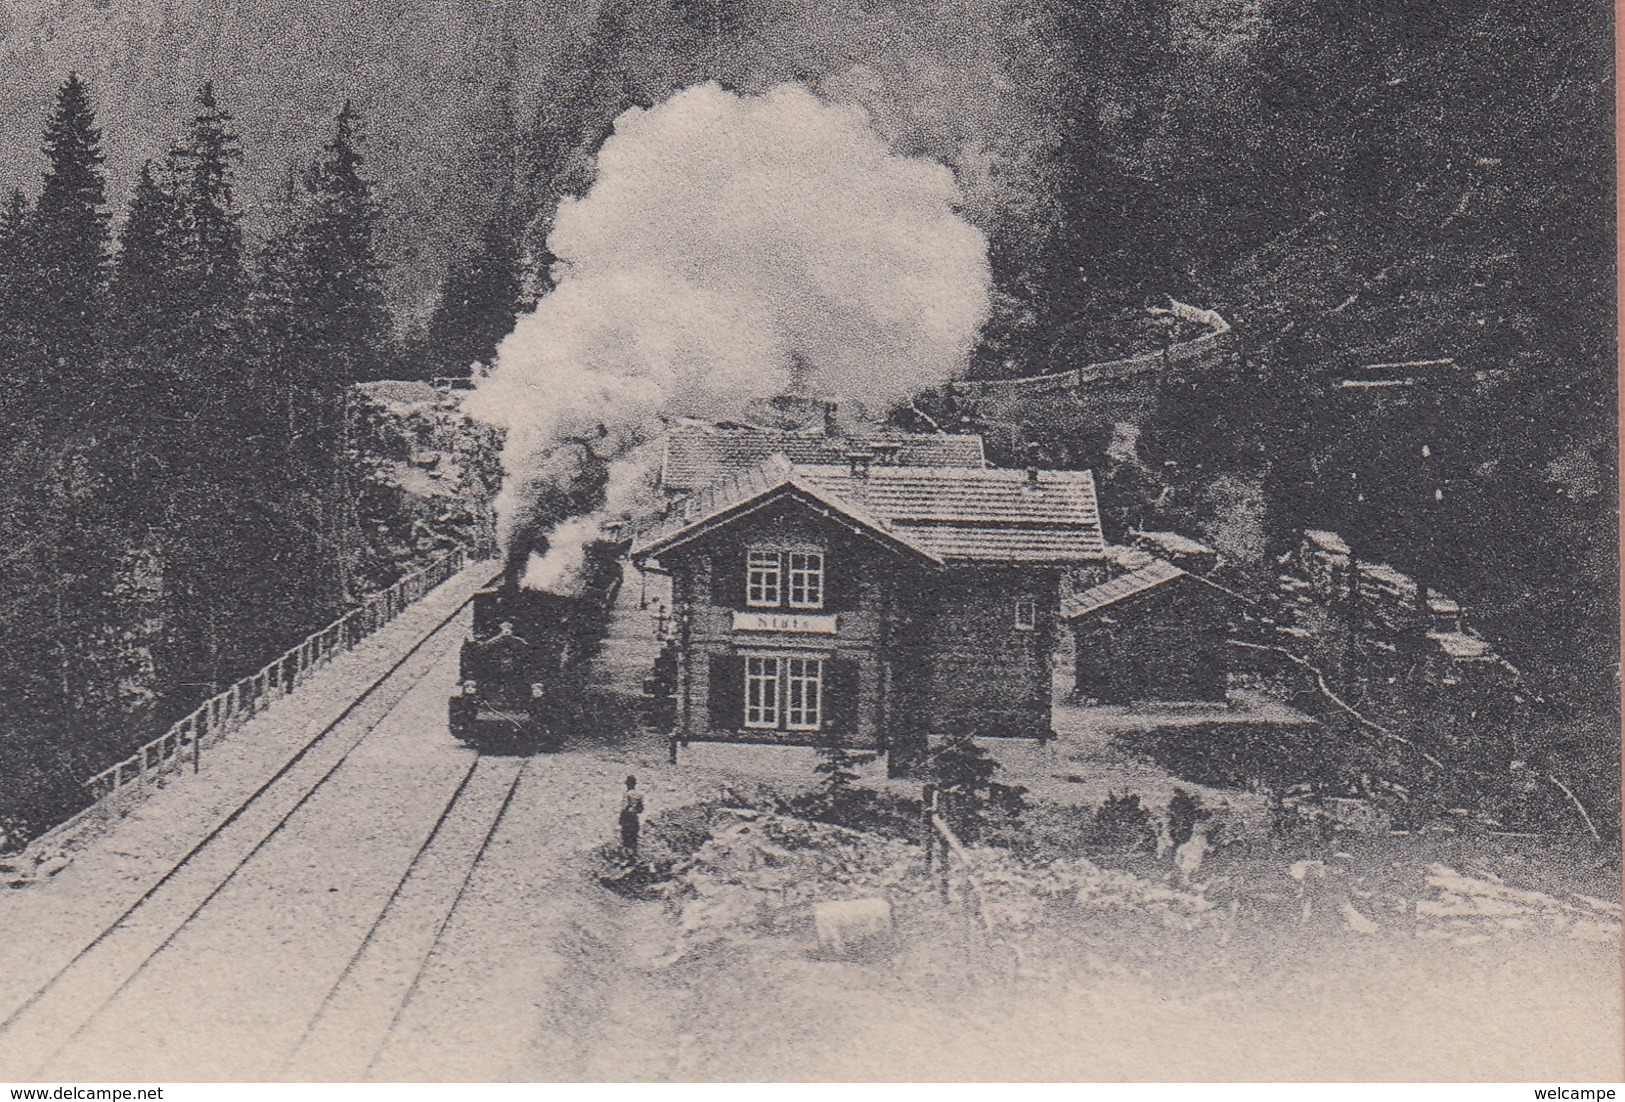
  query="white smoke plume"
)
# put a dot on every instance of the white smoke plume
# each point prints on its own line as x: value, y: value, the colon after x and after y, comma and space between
x: 730, y: 248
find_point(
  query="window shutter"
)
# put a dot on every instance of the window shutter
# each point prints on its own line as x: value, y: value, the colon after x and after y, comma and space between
x: 728, y: 578
x: 841, y: 696
x: 727, y: 699
x: 840, y: 582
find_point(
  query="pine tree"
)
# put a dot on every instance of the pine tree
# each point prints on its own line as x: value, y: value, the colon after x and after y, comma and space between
x: 69, y: 519
x: 321, y: 325
x: 340, y: 318
x: 481, y: 294
x: 68, y: 243
x: 478, y: 303
x: 838, y: 767
x: 143, y: 289
x: 215, y: 518
x: 214, y: 254
x: 963, y: 771
x: 189, y: 481
x: 1101, y: 252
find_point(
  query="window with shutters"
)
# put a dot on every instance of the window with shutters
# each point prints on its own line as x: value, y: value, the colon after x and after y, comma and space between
x: 784, y: 693
x: 1026, y: 614
x: 804, y: 691
x: 806, y: 579
x: 779, y: 579
x: 761, y: 692
x: 763, y: 580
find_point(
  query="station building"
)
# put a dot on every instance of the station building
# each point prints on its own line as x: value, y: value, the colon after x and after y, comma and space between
x: 875, y: 599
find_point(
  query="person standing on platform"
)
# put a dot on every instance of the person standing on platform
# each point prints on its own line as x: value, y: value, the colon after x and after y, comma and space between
x: 631, y: 817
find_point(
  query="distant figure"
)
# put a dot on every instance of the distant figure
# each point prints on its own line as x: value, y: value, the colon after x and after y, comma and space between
x: 1188, y: 857
x: 631, y: 815
x: 1311, y: 878
x: 1165, y: 838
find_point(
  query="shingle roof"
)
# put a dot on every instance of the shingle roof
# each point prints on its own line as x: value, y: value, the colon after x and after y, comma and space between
x: 696, y: 455
x: 1142, y: 573
x: 941, y: 513
x: 1148, y: 577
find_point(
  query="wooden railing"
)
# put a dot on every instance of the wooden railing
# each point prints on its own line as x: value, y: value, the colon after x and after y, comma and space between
x: 1175, y: 355
x: 941, y: 844
x: 276, y: 679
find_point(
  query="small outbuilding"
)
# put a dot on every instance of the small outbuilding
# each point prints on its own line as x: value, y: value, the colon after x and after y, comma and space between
x: 1153, y: 634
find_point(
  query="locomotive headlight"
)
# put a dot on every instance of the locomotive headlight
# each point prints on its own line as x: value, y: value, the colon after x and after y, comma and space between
x: 470, y: 688
x: 537, y: 690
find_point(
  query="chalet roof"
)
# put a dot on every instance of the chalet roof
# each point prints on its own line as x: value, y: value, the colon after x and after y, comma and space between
x: 1155, y: 573
x: 942, y: 514
x: 1143, y: 578
x: 698, y: 454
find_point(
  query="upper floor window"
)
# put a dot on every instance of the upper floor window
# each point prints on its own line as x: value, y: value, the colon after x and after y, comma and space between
x: 1026, y: 614
x: 776, y: 579
x: 764, y: 583
x: 806, y: 579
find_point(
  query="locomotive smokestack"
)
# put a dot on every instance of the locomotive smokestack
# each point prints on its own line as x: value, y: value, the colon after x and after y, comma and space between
x: 513, y: 569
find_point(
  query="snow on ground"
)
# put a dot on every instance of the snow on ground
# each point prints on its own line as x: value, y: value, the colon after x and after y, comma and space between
x: 1100, y: 965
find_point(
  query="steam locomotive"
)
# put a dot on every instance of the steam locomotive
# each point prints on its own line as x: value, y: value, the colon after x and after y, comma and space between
x: 522, y: 663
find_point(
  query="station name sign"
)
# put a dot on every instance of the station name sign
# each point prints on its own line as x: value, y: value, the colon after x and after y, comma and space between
x: 794, y: 622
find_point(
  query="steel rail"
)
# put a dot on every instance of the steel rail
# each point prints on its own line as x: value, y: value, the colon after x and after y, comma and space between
x: 15, y: 1018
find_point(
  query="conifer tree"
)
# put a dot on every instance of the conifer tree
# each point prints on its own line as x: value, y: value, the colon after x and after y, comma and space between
x: 978, y: 806
x: 341, y: 322
x: 479, y: 301
x: 480, y: 295
x: 212, y: 258
x: 838, y: 767
x: 188, y: 477
x: 321, y: 323
x: 67, y: 515
x: 68, y: 242
x: 215, y: 518
x: 142, y: 292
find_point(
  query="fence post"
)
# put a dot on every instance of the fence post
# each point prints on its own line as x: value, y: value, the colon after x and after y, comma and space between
x: 928, y: 799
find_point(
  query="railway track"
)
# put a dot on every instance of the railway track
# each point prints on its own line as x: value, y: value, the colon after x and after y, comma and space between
x: 344, y: 1037
x: 44, y: 1030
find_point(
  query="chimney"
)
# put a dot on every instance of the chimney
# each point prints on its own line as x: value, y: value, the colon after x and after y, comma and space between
x: 831, y: 428
x: 514, y: 569
x: 1032, y: 478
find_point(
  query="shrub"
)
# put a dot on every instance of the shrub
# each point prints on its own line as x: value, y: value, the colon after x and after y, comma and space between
x: 838, y: 767
x: 1121, y: 821
x: 978, y: 807
x: 1183, y: 812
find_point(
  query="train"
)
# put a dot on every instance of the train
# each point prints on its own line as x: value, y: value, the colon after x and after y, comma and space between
x: 521, y: 666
